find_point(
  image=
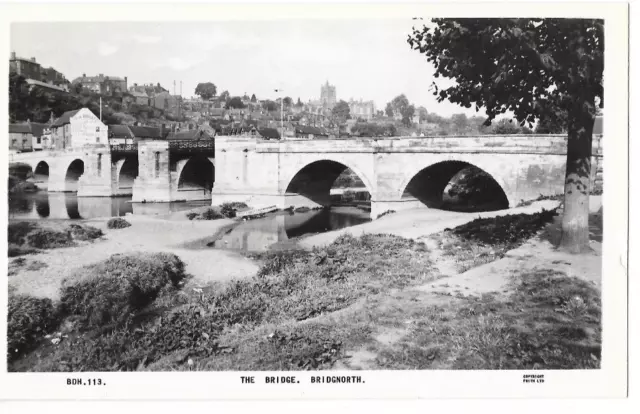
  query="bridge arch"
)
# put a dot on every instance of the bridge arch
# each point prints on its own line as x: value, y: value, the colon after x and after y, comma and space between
x: 72, y: 176
x: 126, y: 172
x: 435, y: 186
x: 315, y: 179
x: 41, y: 173
x: 197, y: 173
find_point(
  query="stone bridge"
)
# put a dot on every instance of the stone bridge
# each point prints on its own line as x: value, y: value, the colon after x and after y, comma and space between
x: 399, y: 173
x: 153, y: 171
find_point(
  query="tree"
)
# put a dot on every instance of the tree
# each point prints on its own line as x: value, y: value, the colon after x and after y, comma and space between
x: 299, y: 103
x: 224, y: 97
x: 341, y: 111
x: 389, y: 110
x: 460, y: 123
x: 505, y: 126
x: 206, y: 90
x: 270, y: 105
x: 422, y: 113
x: 288, y: 102
x: 400, y: 105
x: 253, y: 98
x: 533, y: 68
x: 235, y: 103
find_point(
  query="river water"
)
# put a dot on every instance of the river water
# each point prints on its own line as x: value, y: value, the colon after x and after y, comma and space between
x: 252, y: 235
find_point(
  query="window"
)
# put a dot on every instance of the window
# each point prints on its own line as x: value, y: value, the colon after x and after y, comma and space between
x: 99, y: 165
x: 97, y: 140
x: 97, y: 129
x: 39, y: 140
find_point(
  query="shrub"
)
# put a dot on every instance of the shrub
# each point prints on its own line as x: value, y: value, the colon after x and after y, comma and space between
x: 49, y: 239
x: 17, y: 232
x: 29, y: 318
x: 85, y: 232
x: 118, y: 223
x: 110, y: 291
x: 15, y: 250
x: 192, y: 215
x: 210, y: 214
x: 227, y: 210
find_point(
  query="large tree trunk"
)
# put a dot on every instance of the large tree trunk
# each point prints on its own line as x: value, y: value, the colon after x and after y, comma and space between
x: 575, y: 221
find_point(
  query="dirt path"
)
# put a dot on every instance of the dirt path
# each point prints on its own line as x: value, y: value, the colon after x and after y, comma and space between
x: 405, y: 310
x: 146, y: 234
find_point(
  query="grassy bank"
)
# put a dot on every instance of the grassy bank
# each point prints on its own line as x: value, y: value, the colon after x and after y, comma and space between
x: 30, y: 236
x: 315, y: 309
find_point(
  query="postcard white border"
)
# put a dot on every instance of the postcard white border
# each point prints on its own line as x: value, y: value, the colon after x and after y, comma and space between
x: 610, y: 381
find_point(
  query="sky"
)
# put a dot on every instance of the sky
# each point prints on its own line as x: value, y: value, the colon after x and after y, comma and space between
x: 364, y: 59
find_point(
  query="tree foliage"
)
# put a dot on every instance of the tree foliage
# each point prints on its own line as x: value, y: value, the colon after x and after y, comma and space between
x: 341, y: 111
x: 270, y: 105
x: 400, y: 105
x: 253, y: 98
x: 535, y: 68
x: 206, y: 90
x: 235, y: 103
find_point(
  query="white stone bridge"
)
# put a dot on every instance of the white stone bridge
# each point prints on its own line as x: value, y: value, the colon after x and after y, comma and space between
x: 399, y: 173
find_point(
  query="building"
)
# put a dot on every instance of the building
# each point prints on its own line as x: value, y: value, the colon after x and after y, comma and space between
x: 140, y: 97
x: 304, y: 131
x: 328, y: 95
x: 20, y: 137
x: 362, y: 109
x: 167, y: 102
x: 27, y: 68
x: 77, y: 129
x: 103, y: 85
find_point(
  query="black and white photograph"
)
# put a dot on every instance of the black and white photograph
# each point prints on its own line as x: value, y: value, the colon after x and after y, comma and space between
x: 316, y: 199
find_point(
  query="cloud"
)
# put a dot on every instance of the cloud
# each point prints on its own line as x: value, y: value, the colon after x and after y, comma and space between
x: 106, y: 49
x: 146, y: 39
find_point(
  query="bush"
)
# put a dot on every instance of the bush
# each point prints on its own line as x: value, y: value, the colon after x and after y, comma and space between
x: 85, y: 232
x: 210, y: 214
x: 29, y: 318
x: 227, y: 210
x: 17, y: 232
x: 112, y: 290
x: 49, y: 239
x: 118, y: 223
x: 192, y: 215
x: 15, y: 250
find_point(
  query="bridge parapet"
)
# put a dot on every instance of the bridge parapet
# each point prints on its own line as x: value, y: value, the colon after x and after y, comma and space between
x: 498, y: 144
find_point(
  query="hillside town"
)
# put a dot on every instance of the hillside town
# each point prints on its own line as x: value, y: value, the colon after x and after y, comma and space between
x: 129, y: 112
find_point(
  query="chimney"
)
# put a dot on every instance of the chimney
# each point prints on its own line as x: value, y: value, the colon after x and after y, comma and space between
x: 33, y: 59
x: 84, y: 75
x: 101, y: 75
x: 13, y: 55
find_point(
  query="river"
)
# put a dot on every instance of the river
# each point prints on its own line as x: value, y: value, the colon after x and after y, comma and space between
x: 254, y: 235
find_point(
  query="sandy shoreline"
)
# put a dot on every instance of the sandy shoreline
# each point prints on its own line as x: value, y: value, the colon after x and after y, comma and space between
x: 146, y: 234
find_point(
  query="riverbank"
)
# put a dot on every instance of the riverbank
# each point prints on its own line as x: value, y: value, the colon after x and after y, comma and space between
x: 146, y: 234
x: 485, y: 294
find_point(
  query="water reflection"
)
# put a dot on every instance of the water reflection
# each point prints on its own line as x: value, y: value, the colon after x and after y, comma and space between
x: 259, y: 234
x: 43, y: 205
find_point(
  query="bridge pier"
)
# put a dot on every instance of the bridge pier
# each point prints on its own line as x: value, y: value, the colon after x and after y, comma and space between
x: 97, y: 179
x: 153, y: 183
